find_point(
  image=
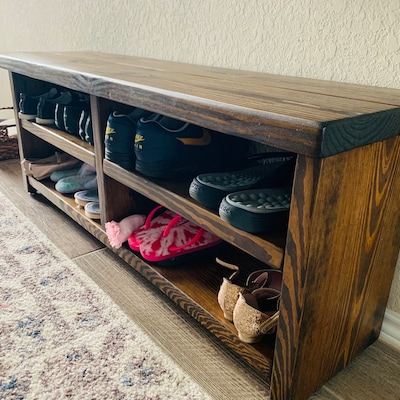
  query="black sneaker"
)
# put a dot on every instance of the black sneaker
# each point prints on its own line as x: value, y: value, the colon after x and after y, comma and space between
x: 68, y: 108
x: 120, y: 137
x: 46, y: 107
x: 82, y: 123
x: 85, y: 127
x: 169, y: 148
x: 73, y: 111
x: 71, y: 117
x: 28, y: 105
x: 64, y: 99
x: 89, y: 131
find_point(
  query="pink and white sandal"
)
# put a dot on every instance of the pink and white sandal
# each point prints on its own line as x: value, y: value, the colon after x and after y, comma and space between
x: 153, y: 227
x: 169, y: 236
x: 180, y: 237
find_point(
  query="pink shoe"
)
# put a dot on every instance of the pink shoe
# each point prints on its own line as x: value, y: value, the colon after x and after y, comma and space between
x: 180, y: 237
x: 119, y: 232
x: 152, y: 228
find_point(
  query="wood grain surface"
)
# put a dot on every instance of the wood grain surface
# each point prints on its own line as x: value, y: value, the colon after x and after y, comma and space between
x: 294, y: 114
x: 339, y: 264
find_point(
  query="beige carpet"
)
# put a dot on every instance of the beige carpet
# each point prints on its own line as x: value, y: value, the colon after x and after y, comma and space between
x: 62, y: 338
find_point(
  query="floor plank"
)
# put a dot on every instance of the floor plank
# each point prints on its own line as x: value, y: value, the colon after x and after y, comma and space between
x: 375, y: 374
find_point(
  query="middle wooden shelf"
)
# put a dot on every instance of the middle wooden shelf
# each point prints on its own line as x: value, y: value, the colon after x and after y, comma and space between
x: 268, y: 248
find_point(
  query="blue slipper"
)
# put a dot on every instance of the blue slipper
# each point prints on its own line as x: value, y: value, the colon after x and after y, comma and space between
x: 63, y: 173
x: 82, y: 169
x: 73, y: 184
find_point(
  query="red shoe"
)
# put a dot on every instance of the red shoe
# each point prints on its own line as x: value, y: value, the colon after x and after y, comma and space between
x: 179, y: 238
x: 152, y: 228
x: 169, y: 236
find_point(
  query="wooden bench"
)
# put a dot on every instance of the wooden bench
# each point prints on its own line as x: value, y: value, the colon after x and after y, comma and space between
x: 340, y: 248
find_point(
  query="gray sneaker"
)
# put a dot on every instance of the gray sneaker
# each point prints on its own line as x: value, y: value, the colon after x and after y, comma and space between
x: 86, y: 196
x: 92, y: 210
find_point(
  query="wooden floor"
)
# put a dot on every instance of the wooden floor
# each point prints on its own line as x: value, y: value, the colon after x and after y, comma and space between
x: 374, y: 375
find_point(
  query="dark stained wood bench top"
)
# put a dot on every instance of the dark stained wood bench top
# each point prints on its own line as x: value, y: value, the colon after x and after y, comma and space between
x: 306, y: 116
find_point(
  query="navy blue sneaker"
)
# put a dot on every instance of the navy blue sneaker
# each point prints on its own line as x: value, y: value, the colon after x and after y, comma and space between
x: 64, y: 99
x: 120, y: 137
x: 85, y: 127
x: 46, y: 107
x: 28, y: 106
x: 170, y: 148
x: 68, y: 108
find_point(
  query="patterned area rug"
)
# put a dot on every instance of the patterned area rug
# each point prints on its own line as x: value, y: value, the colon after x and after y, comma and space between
x: 61, y: 337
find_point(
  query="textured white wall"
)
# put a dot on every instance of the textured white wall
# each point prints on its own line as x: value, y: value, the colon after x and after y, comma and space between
x: 344, y: 40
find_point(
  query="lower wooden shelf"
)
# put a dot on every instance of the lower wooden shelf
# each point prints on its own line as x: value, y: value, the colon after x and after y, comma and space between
x: 192, y: 286
x: 66, y: 204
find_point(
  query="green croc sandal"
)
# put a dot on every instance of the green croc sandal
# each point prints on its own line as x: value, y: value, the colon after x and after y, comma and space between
x: 257, y: 210
x: 210, y: 188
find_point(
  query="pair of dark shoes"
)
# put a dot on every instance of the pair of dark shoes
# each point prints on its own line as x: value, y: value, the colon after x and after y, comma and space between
x: 254, y: 199
x: 38, y: 108
x: 119, y: 138
x: 68, y: 110
x: 72, y: 115
x: 162, y: 147
x: 168, y: 148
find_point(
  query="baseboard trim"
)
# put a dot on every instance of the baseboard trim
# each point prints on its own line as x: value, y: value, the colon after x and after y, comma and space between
x: 390, y: 332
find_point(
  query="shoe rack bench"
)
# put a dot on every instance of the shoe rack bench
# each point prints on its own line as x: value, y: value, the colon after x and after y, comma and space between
x: 340, y: 248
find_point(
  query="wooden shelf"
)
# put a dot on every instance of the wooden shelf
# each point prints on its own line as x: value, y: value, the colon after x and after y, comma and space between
x: 194, y: 287
x: 305, y: 116
x: 66, y: 204
x: 62, y: 140
x: 268, y: 248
